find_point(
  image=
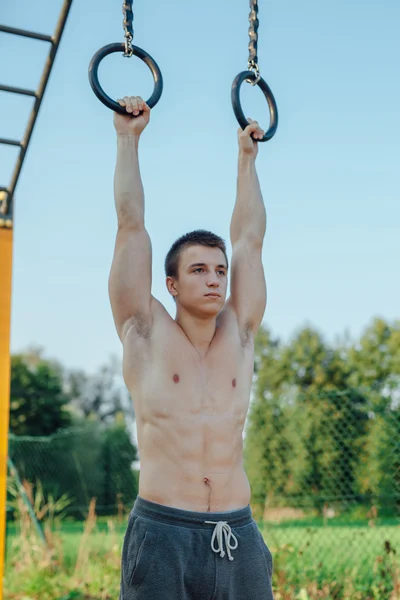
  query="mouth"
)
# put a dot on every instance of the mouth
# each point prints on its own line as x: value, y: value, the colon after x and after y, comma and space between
x: 213, y: 295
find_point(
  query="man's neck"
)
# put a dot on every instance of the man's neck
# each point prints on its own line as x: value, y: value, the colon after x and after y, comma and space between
x: 200, y: 332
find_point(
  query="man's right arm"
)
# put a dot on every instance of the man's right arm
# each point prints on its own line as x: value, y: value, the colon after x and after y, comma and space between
x: 130, y: 277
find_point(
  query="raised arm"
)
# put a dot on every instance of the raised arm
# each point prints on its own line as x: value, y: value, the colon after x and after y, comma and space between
x: 130, y: 277
x: 247, y: 231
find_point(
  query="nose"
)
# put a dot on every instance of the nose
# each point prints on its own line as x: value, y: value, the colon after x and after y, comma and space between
x: 213, y: 282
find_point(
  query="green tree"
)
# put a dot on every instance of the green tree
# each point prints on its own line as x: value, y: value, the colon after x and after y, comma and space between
x: 38, y: 404
x: 375, y: 359
x: 306, y: 431
x: 101, y: 396
x: 375, y: 366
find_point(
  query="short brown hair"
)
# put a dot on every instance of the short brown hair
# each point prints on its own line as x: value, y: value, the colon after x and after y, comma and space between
x: 194, y: 238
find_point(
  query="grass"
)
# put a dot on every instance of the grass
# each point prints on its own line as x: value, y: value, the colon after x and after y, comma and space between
x: 312, y: 561
x: 80, y: 563
x: 322, y: 563
x: 360, y: 563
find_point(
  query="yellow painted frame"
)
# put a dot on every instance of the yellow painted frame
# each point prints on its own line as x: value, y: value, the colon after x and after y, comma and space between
x: 6, y: 253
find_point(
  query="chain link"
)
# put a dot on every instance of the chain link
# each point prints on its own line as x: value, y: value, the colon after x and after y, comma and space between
x: 3, y: 203
x: 253, y: 35
x: 128, y: 26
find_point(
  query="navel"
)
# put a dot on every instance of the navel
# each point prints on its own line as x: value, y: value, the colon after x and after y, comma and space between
x: 234, y: 383
x: 207, y: 483
x: 176, y: 378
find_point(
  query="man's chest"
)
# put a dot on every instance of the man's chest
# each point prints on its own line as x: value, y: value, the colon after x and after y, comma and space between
x: 172, y: 375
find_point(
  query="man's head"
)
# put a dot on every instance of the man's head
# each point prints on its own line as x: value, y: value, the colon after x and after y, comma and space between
x: 197, y: 266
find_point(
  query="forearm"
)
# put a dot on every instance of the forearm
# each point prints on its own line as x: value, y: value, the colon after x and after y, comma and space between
x: 249, y: 216
x: 128, y: 187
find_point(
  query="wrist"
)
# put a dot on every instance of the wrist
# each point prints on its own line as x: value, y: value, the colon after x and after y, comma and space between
x: 246, y: 159
x: 128, y: 139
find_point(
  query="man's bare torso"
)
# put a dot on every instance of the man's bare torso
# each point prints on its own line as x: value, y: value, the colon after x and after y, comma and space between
x: 190, y: 413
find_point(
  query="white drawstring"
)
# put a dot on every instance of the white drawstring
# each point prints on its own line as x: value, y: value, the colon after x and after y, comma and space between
x: 222, y: 527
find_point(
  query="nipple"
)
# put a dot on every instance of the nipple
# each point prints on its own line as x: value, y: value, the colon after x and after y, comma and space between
x: 234, y: 383
x: 176, y: 378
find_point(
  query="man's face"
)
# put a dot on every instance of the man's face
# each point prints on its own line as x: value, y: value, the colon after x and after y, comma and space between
x: 202, y: 282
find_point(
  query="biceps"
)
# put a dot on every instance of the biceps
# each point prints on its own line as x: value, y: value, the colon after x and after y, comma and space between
x: 130, y: 277
x: 248, y: 288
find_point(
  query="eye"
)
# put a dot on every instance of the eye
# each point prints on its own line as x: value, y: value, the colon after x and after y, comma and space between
x: 198, y: 269
x: 222, y: 272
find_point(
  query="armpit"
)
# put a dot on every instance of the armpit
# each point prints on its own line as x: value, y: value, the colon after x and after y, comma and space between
x: 246, y: 335
x: 142, y: 327
x: 139, y: 326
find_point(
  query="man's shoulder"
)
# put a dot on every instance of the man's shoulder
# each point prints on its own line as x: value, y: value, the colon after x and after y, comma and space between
x: 158, y: 309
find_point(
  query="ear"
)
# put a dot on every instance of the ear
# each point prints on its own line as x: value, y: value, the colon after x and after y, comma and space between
x: 171, y: 286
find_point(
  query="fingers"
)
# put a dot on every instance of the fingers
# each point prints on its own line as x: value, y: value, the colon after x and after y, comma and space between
x: 134, y: 105
x: 254, y: 128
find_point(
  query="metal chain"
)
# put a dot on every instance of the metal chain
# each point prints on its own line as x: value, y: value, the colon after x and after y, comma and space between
x: 253, y: 35
x: 128, y: 26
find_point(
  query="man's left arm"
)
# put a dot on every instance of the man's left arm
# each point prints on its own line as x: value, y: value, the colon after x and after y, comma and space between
x: 247, y: 231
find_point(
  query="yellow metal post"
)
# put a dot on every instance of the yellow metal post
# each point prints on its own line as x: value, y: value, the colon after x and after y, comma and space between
x: 6, y: 251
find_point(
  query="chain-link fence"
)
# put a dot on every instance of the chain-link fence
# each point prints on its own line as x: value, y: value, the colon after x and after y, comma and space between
x: 83, y: 463
x: 324, y: 468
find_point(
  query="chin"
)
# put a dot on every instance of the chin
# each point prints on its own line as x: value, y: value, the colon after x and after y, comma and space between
x: 215, y: 308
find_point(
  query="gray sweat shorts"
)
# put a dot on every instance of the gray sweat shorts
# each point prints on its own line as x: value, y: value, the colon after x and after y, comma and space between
x: 174, y: 554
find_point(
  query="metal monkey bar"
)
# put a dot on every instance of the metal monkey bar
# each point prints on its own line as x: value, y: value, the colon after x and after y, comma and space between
x: 7, y: 192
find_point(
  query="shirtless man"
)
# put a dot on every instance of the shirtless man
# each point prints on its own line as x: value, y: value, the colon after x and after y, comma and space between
x: 191, y: 534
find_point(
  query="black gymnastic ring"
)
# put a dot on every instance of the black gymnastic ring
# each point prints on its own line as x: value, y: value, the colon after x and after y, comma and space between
x: 100, y: 93
x: 237, y: 107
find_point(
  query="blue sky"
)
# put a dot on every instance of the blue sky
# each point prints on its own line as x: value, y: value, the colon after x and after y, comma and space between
x: 330, y: 177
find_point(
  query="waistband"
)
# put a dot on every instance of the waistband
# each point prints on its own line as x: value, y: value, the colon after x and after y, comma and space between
x: 188, y: 518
